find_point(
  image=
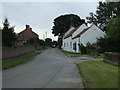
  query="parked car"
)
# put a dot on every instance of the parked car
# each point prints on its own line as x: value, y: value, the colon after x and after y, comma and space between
x: 53, y: 46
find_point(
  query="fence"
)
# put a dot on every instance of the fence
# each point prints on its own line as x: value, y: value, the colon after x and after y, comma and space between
x: 8, y: 52
x: 111, y: 57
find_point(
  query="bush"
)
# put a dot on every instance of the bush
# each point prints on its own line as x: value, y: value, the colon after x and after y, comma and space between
x: 82, y: 48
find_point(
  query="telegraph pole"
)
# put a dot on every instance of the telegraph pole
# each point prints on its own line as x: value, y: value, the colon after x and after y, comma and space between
x: 46, y: 34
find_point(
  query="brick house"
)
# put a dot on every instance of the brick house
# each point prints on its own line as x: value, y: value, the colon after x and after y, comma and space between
x: 25, y: 35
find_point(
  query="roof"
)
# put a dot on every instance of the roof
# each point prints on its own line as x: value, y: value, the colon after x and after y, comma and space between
x: 78, y: 35
x: 68, y: 35
x: 25, y: 30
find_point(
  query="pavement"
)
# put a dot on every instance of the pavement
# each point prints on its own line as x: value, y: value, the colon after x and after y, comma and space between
x: 50, y: 69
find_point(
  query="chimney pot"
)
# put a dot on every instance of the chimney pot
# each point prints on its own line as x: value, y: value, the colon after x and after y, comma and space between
x: 27, y: 26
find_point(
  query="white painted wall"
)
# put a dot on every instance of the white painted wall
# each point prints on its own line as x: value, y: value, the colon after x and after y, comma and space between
x: 91, y: 35
x: 76, y: 40
x: 66, y: 44
x: 72, y: 28
x: 80, y: 29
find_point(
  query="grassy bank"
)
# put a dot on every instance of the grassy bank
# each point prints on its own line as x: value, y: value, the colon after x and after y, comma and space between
x: 73, y: 54
x: 99, y: 74
x: 13, y: 62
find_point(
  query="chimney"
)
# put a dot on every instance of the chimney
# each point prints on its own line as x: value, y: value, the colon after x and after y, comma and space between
x: 27, y: 26
x: 30, y: 29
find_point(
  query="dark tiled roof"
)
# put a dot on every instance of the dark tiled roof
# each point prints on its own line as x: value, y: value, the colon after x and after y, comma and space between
x: 78, y: 35
x: 25, y: 30
x: 68, y: 35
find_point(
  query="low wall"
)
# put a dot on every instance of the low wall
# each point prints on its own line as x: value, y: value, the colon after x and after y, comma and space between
x: 113, y: 58
x: 8, y: 52
x: 92, y: 52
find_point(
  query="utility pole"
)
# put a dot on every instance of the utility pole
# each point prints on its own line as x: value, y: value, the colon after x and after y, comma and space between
x: 43, y: 36
x: 46, y: 34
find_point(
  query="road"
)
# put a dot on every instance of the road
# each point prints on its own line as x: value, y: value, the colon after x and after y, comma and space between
x: 50, y: 69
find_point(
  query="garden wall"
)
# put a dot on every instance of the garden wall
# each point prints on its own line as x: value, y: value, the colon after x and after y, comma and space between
x: 113, y: 58
x: 8, y: 52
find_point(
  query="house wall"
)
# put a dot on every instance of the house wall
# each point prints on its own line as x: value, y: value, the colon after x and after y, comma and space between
x: 67, y: 44
x: 71, y: 28
x: 27, y: 34
x: 76, y: 40
x: 69, y: 40
x: 81, y: 28
x: 91, y: 35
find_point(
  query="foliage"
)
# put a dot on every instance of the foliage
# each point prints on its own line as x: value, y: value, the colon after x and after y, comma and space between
x: 82, y: 48
x: 48, y: 42
x: 99, y: 74
x: 55, y: 43
x: 92, y: 18
x: 42, y: 42
x: 59, y: 42
x: 8, y: 35
x: 104, y: 11
x: 33, y: 41
x: 63, y: 22
x: 92, y: 46
x: 111, y: 41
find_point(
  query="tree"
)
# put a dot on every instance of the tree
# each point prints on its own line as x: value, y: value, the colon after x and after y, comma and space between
x: 48, y: 42
x: 63, y: 22
x: 82, y: 48
x: 92, y: 18
x: 8, y: 35
x: 104, y: 12
x: 111, y: 42
x: 33, y: 41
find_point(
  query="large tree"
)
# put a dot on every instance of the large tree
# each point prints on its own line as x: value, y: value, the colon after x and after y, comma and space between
x: 8, y: 34
x: 104, y: 12
x: 63, y: 22
x: 48, y: 42
x: 111, y: 42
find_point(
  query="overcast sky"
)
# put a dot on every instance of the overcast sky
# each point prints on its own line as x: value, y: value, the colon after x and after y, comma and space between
x: 40, y: 15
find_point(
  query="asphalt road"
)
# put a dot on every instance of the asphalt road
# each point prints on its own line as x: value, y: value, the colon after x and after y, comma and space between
x: 50, y: 69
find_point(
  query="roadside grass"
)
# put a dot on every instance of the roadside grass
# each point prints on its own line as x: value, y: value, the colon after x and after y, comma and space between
x: 99, y: 74
x: 13, y: 62
x: 66, y: 52
x: 73, y: 54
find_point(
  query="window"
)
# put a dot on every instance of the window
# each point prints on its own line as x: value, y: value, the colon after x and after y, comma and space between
x: 70, y: 43
x: 64, y: 44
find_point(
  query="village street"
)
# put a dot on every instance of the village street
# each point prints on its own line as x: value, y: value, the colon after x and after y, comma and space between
x: 50, y: 69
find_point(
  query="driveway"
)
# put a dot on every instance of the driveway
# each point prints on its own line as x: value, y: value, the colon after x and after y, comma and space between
x: 50, y: 69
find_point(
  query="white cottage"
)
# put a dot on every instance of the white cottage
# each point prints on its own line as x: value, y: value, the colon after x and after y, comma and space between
x: 82, y: 34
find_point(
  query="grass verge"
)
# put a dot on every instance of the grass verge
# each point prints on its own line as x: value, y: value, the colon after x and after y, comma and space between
x: 17, y: 61
x: 73, y: 54
x: 99, y: 74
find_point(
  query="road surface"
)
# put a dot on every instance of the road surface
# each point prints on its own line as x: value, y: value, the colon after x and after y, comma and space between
x: 50, y: 69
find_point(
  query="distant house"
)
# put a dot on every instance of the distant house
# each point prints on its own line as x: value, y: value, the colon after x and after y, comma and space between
x: 82, y: 34
x: 25, y: 35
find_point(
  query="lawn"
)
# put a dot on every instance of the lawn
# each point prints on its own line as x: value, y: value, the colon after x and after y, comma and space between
x: 66, y: 52
x: 13, y: 62
x: 73, y: 54
x: 99, y: 74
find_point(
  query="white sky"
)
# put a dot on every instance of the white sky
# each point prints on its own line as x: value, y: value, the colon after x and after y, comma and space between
x: 40, y: 15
